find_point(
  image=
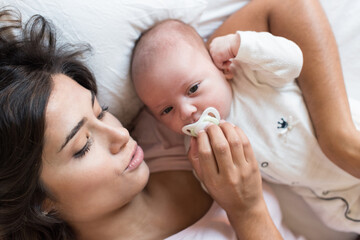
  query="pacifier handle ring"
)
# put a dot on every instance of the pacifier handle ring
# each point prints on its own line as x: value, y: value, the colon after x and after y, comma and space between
x: 211, y: 110
x: 205, y: 117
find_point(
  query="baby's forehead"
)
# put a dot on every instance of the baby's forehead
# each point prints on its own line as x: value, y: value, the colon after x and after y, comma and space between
x: 161, y: 47
x: 160, y: 43
x: 171, y: 32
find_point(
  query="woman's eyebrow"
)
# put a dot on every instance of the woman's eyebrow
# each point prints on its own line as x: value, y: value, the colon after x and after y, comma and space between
x: 73, y: 132
x: 79, y: 125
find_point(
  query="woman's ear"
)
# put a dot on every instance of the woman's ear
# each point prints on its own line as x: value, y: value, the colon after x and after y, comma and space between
x: 47, y: 206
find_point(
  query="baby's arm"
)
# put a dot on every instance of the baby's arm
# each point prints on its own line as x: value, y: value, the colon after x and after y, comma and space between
x: 223, y: 159
x: 276, y: 60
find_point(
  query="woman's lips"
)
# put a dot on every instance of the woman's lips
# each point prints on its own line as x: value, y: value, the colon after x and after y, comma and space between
x: 136, y: 160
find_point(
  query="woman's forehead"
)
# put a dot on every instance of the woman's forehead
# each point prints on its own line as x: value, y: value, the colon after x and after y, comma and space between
x: 65, y: 93
x: 67, y: 103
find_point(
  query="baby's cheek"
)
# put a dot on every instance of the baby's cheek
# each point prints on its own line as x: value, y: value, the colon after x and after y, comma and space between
x: 226, y: 113
x: 226, y: 106
x: 172, y: 124
x: 179, y: 127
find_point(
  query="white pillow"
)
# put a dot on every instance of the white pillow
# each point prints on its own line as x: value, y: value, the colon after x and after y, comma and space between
x: 216, y: 12
x: 111, y: 28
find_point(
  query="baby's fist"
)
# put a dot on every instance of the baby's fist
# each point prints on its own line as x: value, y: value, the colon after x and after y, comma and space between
x: 224, y: 48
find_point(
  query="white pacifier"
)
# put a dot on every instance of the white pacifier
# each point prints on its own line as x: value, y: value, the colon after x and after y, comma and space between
x: 205, y: 119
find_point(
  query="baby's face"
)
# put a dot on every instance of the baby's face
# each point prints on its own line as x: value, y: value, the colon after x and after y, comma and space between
x: 181, y: 84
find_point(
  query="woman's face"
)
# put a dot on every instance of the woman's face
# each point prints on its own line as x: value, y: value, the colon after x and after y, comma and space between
x: 91, y: 166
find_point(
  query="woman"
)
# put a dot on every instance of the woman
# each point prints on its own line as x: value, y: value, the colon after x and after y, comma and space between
x: 69, y: 170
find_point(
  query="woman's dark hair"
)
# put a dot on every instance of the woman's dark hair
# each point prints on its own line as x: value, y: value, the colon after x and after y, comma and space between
x: 29, y: 59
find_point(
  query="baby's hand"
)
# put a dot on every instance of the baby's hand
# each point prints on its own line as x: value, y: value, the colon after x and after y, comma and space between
x: 222, y: 50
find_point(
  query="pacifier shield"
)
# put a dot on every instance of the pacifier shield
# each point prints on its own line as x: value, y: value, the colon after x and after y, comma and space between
x: 210, y: 115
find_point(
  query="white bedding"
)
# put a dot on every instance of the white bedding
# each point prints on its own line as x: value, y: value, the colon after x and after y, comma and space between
x: 112, y: 26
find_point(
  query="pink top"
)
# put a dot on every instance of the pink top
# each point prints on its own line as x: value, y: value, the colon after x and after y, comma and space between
x: 163, y: 149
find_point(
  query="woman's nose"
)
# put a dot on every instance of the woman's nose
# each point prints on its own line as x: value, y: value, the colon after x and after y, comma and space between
x: 118, y: 137
x: 186, y: 111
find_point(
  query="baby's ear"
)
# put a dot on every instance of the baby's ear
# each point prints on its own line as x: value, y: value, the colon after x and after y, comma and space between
x: 228, y: 74
x: 227, y: 70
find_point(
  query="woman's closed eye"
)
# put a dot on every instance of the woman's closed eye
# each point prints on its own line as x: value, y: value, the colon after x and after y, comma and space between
x: 84, y: 150
x: 104, y: 109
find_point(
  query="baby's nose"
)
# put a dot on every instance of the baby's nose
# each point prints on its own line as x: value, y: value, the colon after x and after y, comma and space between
x: 187, y: 110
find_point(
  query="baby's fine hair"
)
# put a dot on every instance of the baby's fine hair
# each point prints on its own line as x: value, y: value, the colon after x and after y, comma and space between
x: 162, y: 37
x: 29, y: 59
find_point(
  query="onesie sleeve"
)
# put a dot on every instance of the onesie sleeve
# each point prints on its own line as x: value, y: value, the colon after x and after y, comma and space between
x: 273, y: 60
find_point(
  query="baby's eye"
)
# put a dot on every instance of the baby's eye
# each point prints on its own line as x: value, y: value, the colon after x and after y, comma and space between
x: 166, y: 110
x: 194, y: 88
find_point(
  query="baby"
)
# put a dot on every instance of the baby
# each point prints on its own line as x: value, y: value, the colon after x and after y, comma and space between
x: 177, y: 79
